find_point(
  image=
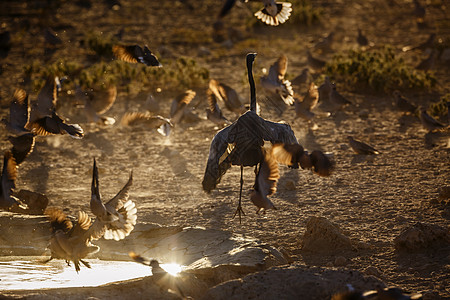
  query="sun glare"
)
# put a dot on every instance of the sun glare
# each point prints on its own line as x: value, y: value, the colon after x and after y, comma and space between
x: 172, y: 269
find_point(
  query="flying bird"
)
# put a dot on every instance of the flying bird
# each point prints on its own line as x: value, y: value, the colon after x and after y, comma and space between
x: 8, y: 183
x: 162, y: 125
x: 361, y: 148
x: 135, y: 54
x: 22, y: 139
x: 71, y: 242
x: 43, y: 119
x: 118, y: 215
x: 303, y: 106
x: 179, y: 105
x: 213, y: 112
x: 227, y: 95
x: 97, y: 101
x: 273, y: 13
x: 275, y: 82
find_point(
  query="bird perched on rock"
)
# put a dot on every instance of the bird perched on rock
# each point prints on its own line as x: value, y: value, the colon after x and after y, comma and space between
x: 179, y: 105
x: 71, y: 242
x: 118, y: 215
x: 273, y: 13
x: 428, y: 122
x: 43, y: 119
x: 22, y: 139
x: 8, y: 183
x: 213, y: 112
x: 361, y: 148
x: 162, y: 125
x: 98, y: 101
x: 227, y: 95
x: 274, y: 82
x: 135, y: 54
x: 404, y: 104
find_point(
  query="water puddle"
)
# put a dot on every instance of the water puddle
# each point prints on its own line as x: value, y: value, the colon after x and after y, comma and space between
x: 24, y: 273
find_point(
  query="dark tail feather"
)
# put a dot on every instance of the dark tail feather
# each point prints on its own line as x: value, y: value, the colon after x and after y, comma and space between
x: 74, y: 130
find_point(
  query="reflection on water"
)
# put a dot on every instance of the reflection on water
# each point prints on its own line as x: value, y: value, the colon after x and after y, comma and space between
x: 33, y: 274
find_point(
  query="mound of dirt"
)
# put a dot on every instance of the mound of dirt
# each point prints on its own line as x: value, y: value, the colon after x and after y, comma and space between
x: 322, y: 236
x: 296, y: 281
x: 423, y: 236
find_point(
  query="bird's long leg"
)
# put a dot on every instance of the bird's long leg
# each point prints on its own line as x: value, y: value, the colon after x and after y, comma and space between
x: 239, y: 208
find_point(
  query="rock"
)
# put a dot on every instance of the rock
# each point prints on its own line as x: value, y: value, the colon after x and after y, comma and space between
x: 444, y: 192
x: 340, y: 261
x: 290, y: 185
x: 322, y: 236
x: 372, y: 271
x: 422, y: 236
x: 36, y: 202
x: 296, y: 281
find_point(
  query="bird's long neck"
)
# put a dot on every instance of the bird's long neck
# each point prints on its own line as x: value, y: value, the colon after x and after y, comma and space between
x: 251, y: 81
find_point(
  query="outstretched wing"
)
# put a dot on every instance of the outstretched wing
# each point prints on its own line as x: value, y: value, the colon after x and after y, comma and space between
x: 121, y: 197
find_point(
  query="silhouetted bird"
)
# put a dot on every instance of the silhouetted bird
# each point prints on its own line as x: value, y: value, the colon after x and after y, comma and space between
x: 227, y: 95
x: 51, y: 37
x: 302, y: 79
x: 362, y: 39
x: 404, y: 104
x: 419, y: 12
x: 213, y: 112
x: 428, y: 121
x: 325, y: 90
x: 98, y: 101
x: 274, y: 82
x: 242, y: 142
x: 161, y: 124
x: 5, y: 43
x: 179, y: 106
x: 428, y: 44
x: 71, y: 242
x: 361, y: 148
x: 273, y: 13
x: 337, y: 101
x: 134, y: 54
x: 43, y: 118
x: 118, y: 215
x: 8, y: 183
x: 325, y: 44
x: 22, y: 139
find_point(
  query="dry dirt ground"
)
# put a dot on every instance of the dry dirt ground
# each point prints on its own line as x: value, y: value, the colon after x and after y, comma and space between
x: 372, y: 199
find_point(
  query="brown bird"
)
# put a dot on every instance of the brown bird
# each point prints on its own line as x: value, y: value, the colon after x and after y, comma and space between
x: 213, y: 112
x: 362, y: 39
x: 162, y: 125
x: 361, y: 148
x: 291, y: 155
x: 71, y: 242
x: 43, y: 119
x: 302, y: 79
x: 118, y: 215
x: 316, y: 63
x: 134, y: 54
x: 304, y: 106
x: 404, y: 104
x: 98, y: 101
x: 51, y: 37
x: 322, y: 165
x: 22, y: 139
x: 265, y: 182
x: 325, y: 44
x: 227, y: 95
x: 275, y: 83
x: 428, y: 121
x: 179, y: 106
x: 428, y: 63
x: 325, y: 90
x: 8, y: 183
x: 336, y: 99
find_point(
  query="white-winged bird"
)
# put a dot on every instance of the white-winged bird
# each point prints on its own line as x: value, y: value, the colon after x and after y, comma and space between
x: 43, y: 118
x: 118, y: 215
x: 135, y: 54
x: 274, y: 82
x: 71, y: 242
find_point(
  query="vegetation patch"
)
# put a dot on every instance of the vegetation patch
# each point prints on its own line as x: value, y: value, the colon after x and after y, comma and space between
x: 377, y: 70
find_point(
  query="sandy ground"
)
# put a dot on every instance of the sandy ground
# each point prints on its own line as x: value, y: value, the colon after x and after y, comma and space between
x: 372, y: 199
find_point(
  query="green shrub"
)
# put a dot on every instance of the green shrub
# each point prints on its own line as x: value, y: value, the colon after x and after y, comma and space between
x: 377, y: 70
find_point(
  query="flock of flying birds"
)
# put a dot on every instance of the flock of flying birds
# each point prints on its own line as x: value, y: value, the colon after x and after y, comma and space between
x: 249, y: 141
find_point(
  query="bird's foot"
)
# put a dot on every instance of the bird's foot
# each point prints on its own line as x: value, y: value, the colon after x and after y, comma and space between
x: 239, y: 211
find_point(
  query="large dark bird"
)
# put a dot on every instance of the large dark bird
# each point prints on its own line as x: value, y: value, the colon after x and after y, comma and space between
x: 8, y: 182
x: 134, y: 54
x: 241, y: 144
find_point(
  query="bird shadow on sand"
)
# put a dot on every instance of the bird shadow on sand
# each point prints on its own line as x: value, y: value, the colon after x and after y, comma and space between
x: 338, y: 117
x: 176, y: 162
x: 359, y: 158
x: 308, y: 140
x: 405, y: 122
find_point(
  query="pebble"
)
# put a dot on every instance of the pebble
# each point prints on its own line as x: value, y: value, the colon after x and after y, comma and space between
x: 340, y: 261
